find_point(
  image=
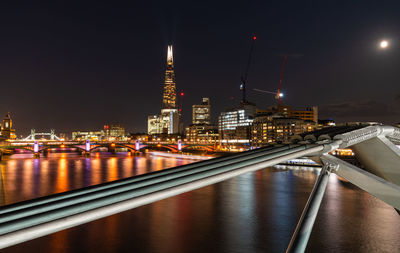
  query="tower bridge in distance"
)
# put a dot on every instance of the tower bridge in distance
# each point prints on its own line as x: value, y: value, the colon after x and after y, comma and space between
x: 33, y: 135
x: 374, y: 146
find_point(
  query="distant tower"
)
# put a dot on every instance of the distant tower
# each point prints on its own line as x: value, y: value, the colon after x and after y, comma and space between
x: 169, y: 94
x: 7, y: 131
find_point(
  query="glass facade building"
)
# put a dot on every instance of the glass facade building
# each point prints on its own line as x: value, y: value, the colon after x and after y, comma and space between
x: 234, y: 125
x: 201, y: 113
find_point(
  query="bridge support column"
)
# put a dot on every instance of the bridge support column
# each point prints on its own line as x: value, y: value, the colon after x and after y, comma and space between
x: 300, y: 237
x: 36, y: 153
x: 179, y: 146
x: 86, y: 153
x: 137, y: 148
x: 111, y: 148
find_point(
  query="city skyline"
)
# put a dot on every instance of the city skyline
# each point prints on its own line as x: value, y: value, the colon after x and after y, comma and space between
x: 69, y: 79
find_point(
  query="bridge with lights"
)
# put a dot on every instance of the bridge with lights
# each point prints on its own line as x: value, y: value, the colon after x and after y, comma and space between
x: 42, y: 146
x: 374, y: 146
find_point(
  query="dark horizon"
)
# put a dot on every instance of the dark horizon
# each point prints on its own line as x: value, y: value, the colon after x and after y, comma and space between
x: 78, y: 67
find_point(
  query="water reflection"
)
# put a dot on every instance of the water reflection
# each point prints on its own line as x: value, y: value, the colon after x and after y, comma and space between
x: 2, y: 186
x: 23, y: 177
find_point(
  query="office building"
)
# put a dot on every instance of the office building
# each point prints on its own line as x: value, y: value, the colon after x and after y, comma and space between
x: 201, y: 113
x: 88, y: 135
x: 114, y: 131
x: 153, y: 125
x: 234, y: 124
x: 202, y: 133
x: 277, y: 129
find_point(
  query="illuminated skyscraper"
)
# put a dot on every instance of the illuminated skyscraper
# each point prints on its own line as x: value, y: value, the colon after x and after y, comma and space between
x: 169, y: 94
x: 168, y: 121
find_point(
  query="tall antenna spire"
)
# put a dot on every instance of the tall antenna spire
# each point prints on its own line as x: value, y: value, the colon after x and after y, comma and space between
x: 170, y: 58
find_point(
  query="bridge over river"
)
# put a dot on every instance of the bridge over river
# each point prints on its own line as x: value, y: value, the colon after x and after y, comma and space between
x: 37, y: 147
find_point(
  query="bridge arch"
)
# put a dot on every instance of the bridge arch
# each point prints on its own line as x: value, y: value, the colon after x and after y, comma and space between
x: 169, y: 147
x: 51, y: 147
x: 117, y: 145
x: 202, y: 147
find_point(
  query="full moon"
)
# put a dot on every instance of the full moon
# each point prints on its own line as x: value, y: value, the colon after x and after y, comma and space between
x: 384, y: 44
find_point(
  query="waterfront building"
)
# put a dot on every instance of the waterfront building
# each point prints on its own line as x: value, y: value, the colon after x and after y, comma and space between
x: 168, y: 121
x: 234, y: 124
x: 88, y: 135
x: 202, y: 133
x: 154, y: 125
x: 114, y: 131
x: 7, y: 132
x: 201, y: 113
x: 201, y: 130
x: 247, y: 125
x: 139, y: 136
x: 276, y: 128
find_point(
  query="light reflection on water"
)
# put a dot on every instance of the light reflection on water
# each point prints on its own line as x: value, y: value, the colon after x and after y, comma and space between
x: 24, y: 177
x: 255, y: 212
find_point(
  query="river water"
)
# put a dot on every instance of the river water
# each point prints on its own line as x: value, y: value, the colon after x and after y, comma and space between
x: 255, y: 212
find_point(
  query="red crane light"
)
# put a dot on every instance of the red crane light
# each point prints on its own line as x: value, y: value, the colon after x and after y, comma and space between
x: 254, y: 37
x: 182, y: 93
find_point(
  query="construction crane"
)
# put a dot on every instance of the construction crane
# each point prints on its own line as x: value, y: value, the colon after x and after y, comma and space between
x: 278, y: 94
x: 244, y: 77
x: 270, y: 92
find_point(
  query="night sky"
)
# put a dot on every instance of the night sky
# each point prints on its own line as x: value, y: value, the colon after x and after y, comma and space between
x: 78, y: 65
